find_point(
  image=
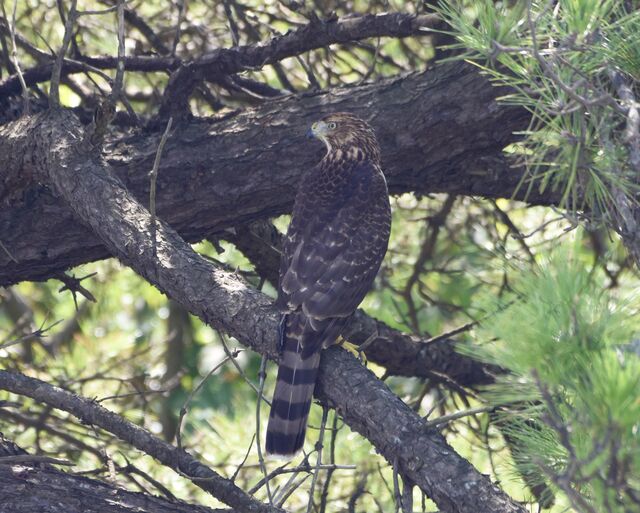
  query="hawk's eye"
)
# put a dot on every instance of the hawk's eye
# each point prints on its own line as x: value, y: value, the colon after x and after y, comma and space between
x: 332, y: 126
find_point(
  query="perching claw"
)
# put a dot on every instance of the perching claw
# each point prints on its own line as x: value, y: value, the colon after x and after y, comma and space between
x: 354, y: 349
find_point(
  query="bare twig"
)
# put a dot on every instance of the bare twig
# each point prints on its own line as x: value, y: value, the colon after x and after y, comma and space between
x: 14, y: 58
x: 182, y: 6
x: 116, y: 91
x: 319, y: 447
x: 39, y: 333
x: 244, y: 460
x: 451, y: 333
x: 54, y: 91
x: 286, y: 492
x: 332, y: 459
x: 153, y: 178
x: 262, y: 375
x: 233, y: 26
x: 185, y: 406
x: 446, y: 419
x: 235, y: 363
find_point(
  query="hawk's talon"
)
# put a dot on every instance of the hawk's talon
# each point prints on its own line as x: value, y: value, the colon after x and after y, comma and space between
x: 354, y: 349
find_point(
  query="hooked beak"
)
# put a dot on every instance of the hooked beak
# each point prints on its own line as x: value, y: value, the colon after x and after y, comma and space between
x: 310, y: 133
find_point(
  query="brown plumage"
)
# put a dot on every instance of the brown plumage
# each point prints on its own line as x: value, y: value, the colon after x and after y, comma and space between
x: 332, y: 252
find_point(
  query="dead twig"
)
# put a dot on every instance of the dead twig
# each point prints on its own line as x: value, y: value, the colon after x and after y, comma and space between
x: 72, y: 284
x: 54, y: 90
x: 39, y: 333
x: 319, y: 447
x: 153, y: 178
x: 16, y: 65
x: 262, y: 375
x: 185, y: 406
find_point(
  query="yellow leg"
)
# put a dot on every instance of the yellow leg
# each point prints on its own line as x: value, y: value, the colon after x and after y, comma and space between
x: 352, y: 348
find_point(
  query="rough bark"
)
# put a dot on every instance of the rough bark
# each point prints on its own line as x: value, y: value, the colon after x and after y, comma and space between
x: 440, y: 131
x: 28, y: 487
x: 92, y: 413
x: 399, y: 434
x: 85, y: 183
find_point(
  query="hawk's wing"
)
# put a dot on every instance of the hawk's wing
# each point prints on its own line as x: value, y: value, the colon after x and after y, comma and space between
x: 334, y: 250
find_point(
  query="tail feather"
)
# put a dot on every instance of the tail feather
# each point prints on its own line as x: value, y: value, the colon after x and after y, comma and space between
x: 293, y: 393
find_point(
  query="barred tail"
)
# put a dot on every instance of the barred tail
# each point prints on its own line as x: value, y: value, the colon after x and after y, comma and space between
x: 293, y: 393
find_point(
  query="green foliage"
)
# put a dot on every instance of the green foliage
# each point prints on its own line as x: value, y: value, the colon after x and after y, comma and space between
x: 572, y: 396
x: 558, y: 60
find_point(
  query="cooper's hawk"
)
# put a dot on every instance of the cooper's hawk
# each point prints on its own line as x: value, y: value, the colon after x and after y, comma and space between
x: 336, y: 241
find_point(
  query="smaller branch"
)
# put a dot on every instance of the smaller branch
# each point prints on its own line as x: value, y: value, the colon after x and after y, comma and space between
x: 116, y: 91
x: 288, y: 491
x: 308, y: 37
x: 374, y: 62
x: 446, y: 419
x: 39, y: 423
x: 132, y: 18
x: 314, y: 85
x: 54, y: 91
x: 244, y: 460
x: 29, y: 458
x: 14, y: 57
x: 233, y: 26
x: 235, y: 363
x: 39, y: 333
x: 303, y: 467
x: 332, y: 459
x: 176, y: 38
x: 446, y: 336
x: 92, y: 413
x: 97, y: 12
x: 291, y: 485
x: 130, y: 468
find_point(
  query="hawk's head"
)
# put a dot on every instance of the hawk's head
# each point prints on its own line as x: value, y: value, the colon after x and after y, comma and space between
x: 346, y: 132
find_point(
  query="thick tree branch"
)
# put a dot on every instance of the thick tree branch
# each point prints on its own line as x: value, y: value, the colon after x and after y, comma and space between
x: 25, y: 488
x: 440, y: 131
x: 316, y: 34
x: 227, y: 61
x: 85, y: 182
